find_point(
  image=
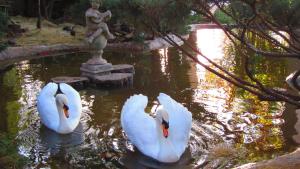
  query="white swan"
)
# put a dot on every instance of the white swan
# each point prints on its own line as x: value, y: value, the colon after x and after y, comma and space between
x: 164, y: 137
x: 59, y: 107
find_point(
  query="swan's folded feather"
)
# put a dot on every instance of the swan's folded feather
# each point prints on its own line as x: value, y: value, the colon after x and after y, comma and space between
x: 46, y: 106
x: 139, y: 126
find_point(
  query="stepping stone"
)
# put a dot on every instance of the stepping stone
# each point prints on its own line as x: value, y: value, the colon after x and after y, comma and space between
x: 78, y: 83
x: 123, y: 68
x: 113, y: 80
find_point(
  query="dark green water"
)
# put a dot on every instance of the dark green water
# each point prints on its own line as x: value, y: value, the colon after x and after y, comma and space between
x: 230, y: 126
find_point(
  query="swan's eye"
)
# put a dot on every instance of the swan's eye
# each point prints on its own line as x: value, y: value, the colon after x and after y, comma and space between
x: 166, y: 124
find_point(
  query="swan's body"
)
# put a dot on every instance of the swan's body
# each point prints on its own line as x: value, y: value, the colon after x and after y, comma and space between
x: 50, y: 106
x: 146, y: 132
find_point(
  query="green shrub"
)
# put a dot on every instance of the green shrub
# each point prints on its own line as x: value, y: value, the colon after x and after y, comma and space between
x: 146, y: 14
x: 222, y: 17
x: 3, y: 46
x: 284, y: 12
x: 195, y: 18
x: 280, y: 12
x: 175, y: 16
x: 3, y: 23
x: 77, y: 11
x: 3, y: 29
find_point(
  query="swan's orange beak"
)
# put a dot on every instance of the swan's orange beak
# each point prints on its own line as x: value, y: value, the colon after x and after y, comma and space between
x: 165, y: 132
x: 165, y: 127
x: 66, y: 111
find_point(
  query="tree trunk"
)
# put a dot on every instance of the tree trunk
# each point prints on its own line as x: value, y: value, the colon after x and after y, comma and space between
x: 38, y: 24
x: 288, y: 161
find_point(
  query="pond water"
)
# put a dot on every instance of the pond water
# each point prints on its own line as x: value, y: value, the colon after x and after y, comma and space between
x: 230, y: 126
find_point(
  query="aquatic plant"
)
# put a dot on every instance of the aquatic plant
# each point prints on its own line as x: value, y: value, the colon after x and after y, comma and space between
x: 9, y: 156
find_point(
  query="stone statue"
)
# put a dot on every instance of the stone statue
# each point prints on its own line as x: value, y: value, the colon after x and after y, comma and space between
x: 97, y: 31
x: 98, y: 70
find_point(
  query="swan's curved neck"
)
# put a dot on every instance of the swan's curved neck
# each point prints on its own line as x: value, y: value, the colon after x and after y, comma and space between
x: 63, y: 126
x: 167, y: 151
x: 161, y: 116
x: 62, y: 117
x: 160, y: 132
x: 158, y: 129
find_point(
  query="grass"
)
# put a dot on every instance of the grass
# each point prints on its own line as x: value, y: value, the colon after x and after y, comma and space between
x: 49, y: 34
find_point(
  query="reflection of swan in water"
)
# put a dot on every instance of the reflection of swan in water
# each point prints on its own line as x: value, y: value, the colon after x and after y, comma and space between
x: 56, y: 142
x: 137, y: 160
x: 164, y: 137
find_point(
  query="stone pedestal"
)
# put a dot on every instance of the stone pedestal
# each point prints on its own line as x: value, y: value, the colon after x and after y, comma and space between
x: 94, y: 70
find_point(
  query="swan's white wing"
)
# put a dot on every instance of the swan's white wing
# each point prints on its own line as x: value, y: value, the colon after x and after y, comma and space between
x: 74, y: 101
x: 47, y: 107
x: 139, y: 127
x: 180, y: 122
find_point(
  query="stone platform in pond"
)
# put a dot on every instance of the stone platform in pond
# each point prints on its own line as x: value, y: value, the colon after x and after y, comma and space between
x: 107, y: 75
x: 77, y: 82
x: 104, y: 76
x: 113, y: 80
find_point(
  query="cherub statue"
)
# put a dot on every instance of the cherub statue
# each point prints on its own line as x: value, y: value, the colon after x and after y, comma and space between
x: 95, y: 22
